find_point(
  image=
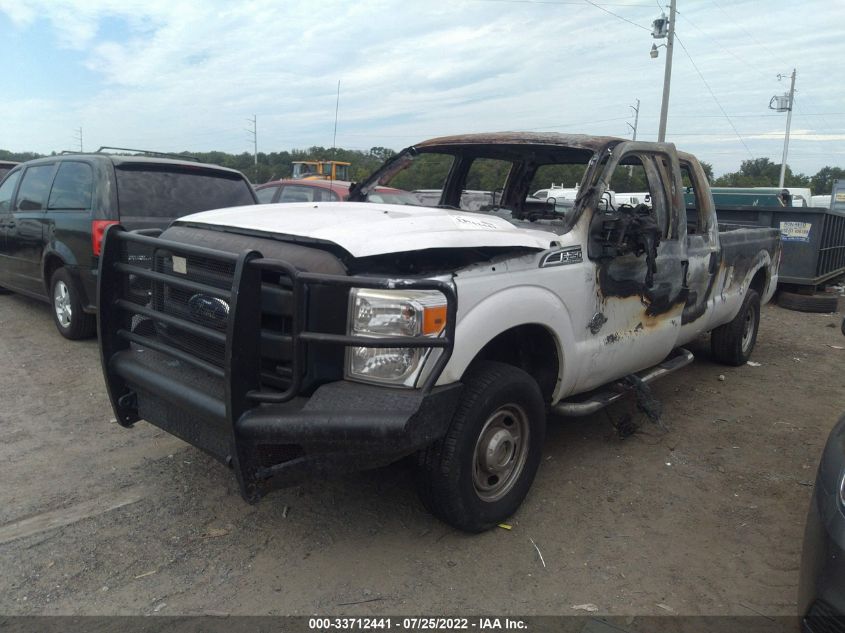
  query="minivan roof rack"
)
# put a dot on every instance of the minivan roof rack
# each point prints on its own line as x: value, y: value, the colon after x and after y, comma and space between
x: 148, y: 152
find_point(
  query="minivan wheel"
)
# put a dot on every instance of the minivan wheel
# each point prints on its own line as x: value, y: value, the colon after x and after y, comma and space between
x: 71, y: 321
x: 480, y: 472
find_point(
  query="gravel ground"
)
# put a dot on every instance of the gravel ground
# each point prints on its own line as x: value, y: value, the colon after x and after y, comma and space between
x: 706, y: 518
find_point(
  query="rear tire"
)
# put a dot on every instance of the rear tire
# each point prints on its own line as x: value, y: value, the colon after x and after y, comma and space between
x: 808, y: 303
x: 70, y: 319
x: 733, y: 342
x: 480, y: 472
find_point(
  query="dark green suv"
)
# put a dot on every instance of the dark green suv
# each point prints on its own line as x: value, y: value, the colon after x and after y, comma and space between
x: 54, y: 212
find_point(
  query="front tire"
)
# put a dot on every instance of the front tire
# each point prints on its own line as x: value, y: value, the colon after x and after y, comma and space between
x: 733, y: 342
x: 70, y: 319
x: 480, y: 472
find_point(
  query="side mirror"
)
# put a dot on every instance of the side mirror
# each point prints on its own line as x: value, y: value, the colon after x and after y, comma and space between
x: 551, y: 201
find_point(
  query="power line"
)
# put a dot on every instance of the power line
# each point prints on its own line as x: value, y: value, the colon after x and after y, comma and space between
x: 712, y: 94
x: 616, y: 15
x: 565, y: 3
x: 767, y: 134
x: 801, y: 113
x: 744, y: 30
x: 440, y: 132
x: 722, y: 47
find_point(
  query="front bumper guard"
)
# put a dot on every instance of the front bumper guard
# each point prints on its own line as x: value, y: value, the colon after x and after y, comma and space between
x: 268, y: 437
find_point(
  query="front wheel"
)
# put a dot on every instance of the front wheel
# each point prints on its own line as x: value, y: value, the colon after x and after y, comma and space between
x: 71, y: 321
x: 733, y: 342
x: 480, y: 472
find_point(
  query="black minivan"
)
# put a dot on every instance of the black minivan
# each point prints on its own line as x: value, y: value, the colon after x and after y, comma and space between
x: 54, y: 212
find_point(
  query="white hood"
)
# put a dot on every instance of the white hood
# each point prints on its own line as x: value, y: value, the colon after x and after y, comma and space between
x: 365, y: 229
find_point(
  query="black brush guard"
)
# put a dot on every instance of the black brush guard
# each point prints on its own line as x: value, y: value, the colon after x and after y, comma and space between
x: 270, y: 436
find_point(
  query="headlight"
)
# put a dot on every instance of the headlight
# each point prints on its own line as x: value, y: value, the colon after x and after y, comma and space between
x: 385, y: 313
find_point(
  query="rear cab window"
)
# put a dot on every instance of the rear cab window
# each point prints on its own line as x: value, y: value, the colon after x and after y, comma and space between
x: 424, y: 176
x: 484, y: 184
x: 171, y: 191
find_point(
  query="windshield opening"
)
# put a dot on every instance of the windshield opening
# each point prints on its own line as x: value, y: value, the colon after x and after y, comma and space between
x: 523, y: 184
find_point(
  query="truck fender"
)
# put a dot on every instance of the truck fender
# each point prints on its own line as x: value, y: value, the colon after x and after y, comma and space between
x: 506, y: 309
x: 763, y: 261
x: 733, y: 294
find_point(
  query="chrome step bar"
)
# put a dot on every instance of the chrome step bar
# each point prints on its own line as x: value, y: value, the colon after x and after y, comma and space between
x: 592, y: 401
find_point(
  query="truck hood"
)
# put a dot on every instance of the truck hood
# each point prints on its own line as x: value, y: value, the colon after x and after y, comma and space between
x: 364, y: 229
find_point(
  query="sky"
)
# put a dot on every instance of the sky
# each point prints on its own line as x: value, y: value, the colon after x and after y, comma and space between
x: 175, y: 75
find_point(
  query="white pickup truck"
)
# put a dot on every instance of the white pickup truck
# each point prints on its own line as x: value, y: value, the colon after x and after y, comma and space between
x: 293, y: 339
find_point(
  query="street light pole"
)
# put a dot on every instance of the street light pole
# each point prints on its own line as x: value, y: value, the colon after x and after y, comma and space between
x: 786, y: 138
x: 667, y: 74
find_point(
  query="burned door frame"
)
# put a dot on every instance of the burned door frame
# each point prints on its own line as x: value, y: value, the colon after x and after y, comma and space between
x: 637, y: 324
x: 703, y: 253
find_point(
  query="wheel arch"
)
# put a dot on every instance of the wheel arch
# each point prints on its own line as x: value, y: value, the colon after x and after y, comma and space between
x: 52, y: 262
x: 759, y: 276
x: 531, y: 347
x: 528, y: 328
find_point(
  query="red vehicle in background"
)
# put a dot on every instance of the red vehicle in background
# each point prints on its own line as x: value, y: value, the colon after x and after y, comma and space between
x: 290, y: 190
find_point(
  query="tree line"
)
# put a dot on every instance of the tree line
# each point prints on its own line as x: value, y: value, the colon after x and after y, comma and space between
x: 757, y: 172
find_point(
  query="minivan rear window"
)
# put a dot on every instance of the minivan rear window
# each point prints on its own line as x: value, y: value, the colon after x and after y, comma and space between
x: 165, y: 192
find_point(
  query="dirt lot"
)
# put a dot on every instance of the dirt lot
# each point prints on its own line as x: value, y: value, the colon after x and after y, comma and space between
x: 704, y: 519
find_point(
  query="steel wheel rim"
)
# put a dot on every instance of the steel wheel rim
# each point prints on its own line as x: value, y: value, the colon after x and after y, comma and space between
x: 61, y: 304
x: 748, y: 328
x: 500, y: 452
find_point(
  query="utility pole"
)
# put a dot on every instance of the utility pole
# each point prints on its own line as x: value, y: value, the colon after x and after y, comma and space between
x: 636, y: 119
x: 788, y: 123
x: 634, y: 129
x: 336, y: 110
x: 667, y: 74
x: 78, y: 137
x: 254, y: 132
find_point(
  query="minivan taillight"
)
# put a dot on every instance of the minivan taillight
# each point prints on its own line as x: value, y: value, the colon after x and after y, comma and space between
x: 98, y: 231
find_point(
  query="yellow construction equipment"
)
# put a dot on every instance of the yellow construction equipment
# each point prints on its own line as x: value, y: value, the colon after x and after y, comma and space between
x: 321, y: 170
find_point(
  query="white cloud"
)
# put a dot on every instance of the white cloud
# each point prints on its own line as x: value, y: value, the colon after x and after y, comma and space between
x: 185, y: 75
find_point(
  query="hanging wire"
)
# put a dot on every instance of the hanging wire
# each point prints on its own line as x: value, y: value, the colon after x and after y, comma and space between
x: 712, y: 94
x: 616, y: 15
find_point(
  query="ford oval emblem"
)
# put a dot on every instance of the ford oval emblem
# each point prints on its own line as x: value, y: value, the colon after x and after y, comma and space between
x: 207, y: 308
